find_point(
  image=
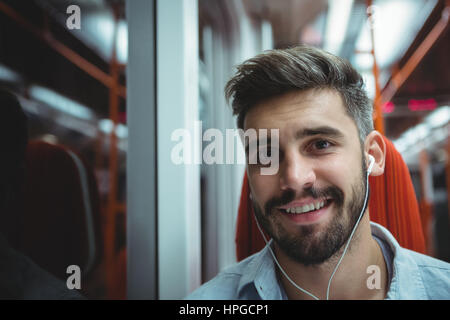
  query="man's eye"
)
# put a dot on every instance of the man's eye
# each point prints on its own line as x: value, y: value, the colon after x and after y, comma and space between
x: 321, y: 144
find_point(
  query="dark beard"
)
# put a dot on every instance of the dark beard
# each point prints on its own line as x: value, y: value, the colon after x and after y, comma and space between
x: 308, y: 245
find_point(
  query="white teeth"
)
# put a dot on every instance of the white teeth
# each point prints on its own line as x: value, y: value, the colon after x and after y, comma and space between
x: 306, y: 207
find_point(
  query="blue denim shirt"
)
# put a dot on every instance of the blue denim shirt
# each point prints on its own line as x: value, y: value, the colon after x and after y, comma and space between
x: 413, y: 276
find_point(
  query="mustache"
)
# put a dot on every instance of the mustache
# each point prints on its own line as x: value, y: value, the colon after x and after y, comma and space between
x: 289, y: 195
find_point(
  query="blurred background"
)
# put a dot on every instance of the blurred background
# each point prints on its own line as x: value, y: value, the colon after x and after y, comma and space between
x: 111, y: 91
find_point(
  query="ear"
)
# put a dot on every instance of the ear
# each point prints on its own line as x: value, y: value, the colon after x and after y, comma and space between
x: 375, y: 146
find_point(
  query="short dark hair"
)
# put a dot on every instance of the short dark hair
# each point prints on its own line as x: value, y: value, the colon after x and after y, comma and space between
x: 276, y: 72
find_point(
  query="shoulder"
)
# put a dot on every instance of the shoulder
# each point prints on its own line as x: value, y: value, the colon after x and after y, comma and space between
x: 434, y: 274
x: 224, y: 286
x: 425, y: 261
x: 416, y: 276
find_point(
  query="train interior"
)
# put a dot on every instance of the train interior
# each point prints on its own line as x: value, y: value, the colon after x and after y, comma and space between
x: 105, y: 84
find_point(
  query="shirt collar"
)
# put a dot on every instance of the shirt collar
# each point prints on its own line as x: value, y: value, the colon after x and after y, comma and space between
x: 260, y: 272
x: 406, y: 282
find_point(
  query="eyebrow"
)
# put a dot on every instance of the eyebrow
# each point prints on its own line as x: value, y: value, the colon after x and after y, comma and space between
x: 324, y: 130
x: 247, y: 143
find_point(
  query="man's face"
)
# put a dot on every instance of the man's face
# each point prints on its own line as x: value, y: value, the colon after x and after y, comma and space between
x: 311, y: 205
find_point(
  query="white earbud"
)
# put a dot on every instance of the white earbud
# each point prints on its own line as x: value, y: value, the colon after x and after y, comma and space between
x: 372, y: 162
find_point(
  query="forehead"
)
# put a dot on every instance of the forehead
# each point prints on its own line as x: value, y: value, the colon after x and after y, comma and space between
x: 302, y: 109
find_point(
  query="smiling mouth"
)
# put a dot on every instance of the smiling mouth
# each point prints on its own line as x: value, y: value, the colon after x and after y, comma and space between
x: 308, y: 208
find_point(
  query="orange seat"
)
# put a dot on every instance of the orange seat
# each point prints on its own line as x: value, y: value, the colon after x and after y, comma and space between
x: 393, y: 204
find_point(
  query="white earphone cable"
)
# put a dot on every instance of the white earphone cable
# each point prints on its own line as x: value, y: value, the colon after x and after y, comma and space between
x: 281, y: 269
x: 372, y: 160
x: 351, y: 236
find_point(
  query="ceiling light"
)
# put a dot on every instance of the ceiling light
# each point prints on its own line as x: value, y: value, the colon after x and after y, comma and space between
x: 60, y: 103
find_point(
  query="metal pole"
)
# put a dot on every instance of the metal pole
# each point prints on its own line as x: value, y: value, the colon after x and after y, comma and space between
x: 142, y: 178
x: 110, y: 230
x: 378, y: 112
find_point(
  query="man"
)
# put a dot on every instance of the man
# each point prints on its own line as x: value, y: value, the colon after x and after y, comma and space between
x: 20, y: 278
x: 315, y: 207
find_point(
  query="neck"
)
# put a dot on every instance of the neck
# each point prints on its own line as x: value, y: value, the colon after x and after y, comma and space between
x: 350, y: 279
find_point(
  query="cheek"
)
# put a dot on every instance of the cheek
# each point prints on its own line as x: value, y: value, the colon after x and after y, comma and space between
x: 340, y: 173
x: 263, y: 187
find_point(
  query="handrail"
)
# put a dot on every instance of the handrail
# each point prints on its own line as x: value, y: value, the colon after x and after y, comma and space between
x: 402, y: 74
x: 63, y: 50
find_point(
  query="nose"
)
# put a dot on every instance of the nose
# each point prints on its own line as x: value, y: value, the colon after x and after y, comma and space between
x: 296, y: 172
